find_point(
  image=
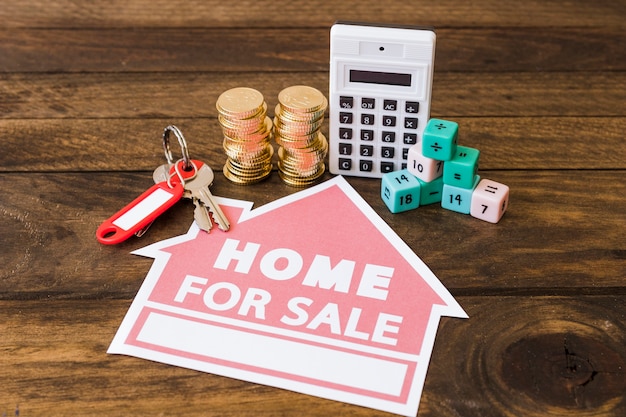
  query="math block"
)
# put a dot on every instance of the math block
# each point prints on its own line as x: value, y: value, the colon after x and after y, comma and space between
x: 458, y: 199
x: 431, y: 192
x: 440, y: 139
x: 462, y: 168
x: 490, y: 200
x: 426, y: 169
x: 400, y: 191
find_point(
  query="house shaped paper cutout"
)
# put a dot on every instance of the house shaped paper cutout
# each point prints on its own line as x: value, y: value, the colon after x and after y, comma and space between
x: 313, y: 293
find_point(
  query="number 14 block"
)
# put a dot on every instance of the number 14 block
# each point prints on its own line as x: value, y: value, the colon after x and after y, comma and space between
x: 457, y: 186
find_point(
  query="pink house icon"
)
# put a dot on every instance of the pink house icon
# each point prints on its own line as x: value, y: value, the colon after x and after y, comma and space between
x: 336, y: 306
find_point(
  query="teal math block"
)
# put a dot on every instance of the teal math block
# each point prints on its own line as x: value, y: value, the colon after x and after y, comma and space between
x: 400, y: 191
x: 431, y: 192
x: 440, y: 139
x: 462, y: 168
x: 458, y: 199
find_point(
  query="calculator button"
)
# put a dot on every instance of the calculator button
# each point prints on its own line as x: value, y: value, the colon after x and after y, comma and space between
x: 410, y: 123
x: 366, y: 166
x: 345, y: 164
x: 389, y: 121
x: 412, y: 107
x: 410, y: 138
x: 345, y: 118
x: 368, y: 103
x: 367, y: 150
x: 403, y: 166
x: 346, y: 102
x: 405, y: 153
x: 367, y: 135
x: 345, y: 133
x: 367, y: 119
x: 345, y: 149
x: 389, y: 137
x: 386, y: 167
x: 387, y: 152
x: 390, y: 105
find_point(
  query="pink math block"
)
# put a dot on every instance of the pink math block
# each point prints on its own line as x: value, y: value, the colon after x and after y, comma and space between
x: 424, y: 168
x: 490, y: 200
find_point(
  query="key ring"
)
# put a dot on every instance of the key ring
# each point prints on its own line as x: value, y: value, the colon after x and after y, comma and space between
x: 180, y: 176
x: 183, y: 146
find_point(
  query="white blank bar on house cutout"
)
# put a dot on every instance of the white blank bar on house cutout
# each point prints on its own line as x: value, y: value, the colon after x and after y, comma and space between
x: 275, y: 354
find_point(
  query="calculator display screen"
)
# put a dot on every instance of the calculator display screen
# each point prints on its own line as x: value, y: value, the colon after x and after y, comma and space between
x: 375, y: 77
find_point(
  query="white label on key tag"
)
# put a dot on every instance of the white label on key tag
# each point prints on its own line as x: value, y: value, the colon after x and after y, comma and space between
x: 143, y: 209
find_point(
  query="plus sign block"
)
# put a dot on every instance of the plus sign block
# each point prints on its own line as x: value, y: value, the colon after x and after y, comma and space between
x: 426, y: 169
x: 490, y: 200
x: 400, y: 191
x: 462, y: 168
x: 440, y: 139
x: 458, y: 199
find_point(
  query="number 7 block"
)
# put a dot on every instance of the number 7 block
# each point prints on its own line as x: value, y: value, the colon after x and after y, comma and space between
x: 490, y: 200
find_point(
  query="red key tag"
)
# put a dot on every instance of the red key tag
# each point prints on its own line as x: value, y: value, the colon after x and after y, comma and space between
x: 178, y: 174
x: 139, y: 213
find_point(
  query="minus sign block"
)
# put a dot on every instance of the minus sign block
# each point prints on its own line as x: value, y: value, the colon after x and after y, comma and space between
x: 431, y: 192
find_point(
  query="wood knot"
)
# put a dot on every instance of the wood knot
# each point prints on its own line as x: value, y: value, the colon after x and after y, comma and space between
x: 574, y: 369
x: 564, y: 370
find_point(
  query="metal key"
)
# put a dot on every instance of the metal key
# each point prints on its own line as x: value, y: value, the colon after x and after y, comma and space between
x: 162, y: 173
x: 197, y: 189
x: 201, y: 214
x: 200, y: 193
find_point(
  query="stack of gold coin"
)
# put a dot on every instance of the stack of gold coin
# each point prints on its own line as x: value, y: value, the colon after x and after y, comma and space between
x: 247, y: 135
x: 302, y: 147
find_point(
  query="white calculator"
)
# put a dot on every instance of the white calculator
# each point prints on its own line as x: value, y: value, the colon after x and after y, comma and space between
x: 380, y: 88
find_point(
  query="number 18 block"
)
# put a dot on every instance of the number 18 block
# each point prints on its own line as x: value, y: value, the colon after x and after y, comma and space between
x: 400, y: 191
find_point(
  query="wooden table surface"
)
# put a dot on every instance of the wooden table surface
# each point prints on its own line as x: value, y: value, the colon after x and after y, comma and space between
x: 86, y: 89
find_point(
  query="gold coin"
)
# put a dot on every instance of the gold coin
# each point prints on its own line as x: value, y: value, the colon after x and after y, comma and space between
x: 302, y: 99
x: 247, y: 132
x: 242, y: 180
x: 301, y: 182
x: 283, y: 113
x: 302, y: 147
x: 242, y: 102
x: 296, y: 128
x: 239, y: 118
x: 258, y: 171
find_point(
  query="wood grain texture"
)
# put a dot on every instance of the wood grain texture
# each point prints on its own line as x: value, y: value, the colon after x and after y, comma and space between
x: 543, y: 242
x: 78, y: 145
x: 172, y: 95
x: 86, y: 88
x: 285, y: 13
x: 298, y: 49
x: 530, y: 356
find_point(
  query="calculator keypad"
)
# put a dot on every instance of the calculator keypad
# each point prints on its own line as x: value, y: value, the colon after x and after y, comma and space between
x: 373, y: 134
